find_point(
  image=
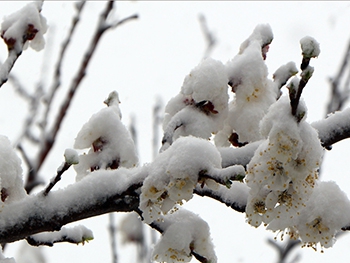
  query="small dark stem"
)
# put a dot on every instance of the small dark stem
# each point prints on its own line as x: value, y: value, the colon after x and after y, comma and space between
x: 57, y: 178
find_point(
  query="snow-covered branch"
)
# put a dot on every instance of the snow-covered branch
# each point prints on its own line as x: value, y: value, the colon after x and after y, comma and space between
x: 334, y: 128
x: 76, y: 235
x: 100, y: 193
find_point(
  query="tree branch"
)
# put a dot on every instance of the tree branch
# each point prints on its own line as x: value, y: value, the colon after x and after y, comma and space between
x: 57, y: 178
x: 334, y: 128
x: 100, y: 193
x: 216, y: 195
x: 51, y: 135
x: 57, y: 72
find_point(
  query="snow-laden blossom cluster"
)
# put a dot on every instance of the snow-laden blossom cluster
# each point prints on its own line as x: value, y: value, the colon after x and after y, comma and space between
x: 201, y: 106
x: 254, y: 92
x: 186, y: 233
x: 27, y: 24
x: 109, y: 141
x: 175, y: 172
x: 11, y: 182
x: 285, y: 194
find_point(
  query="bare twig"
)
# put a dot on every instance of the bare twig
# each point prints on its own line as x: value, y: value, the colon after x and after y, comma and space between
x: 339, y: 95
x: 208, y: 35
x: 57, y: 178
x: 283, y: 250
x: 57, y: 72
x: 101, y: 28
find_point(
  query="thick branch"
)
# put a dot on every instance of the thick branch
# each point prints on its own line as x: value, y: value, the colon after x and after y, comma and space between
x: 333, y: 129
x: 218, y: 195
x: 100, y: 193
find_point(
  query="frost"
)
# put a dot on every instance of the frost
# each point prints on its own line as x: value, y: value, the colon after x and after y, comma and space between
x: 109, y: 141
x: 185, y: 234
x: 310, y: 47
x: 11, y: 182
x: 25, y: 24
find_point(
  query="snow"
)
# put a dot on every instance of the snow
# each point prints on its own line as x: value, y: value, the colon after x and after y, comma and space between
x: 109, y: 141
x: 283, y: 73
x: 28, y: 23
x: 310, y: 47
x: 335, y: 123
x: 325, y: 213
x: 174, y: 174
x: 201, y: 106
x: 71, y: 156
x: 185, y: 232
x: 284, y: 193
x: 261, y: 33
x: 254, y: 92
x: 77, y: 234
x: 92, y: 190
x: 11, y: 181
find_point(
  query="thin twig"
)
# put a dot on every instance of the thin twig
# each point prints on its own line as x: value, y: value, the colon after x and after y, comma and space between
x: 57, y: 75
x: 208, y: 35
x: 50, y: 136
x: 57, y: 178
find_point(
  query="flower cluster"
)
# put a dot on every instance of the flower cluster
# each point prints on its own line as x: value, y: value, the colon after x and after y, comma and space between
x: 254, y: 92
x: 174, y: 174
x: 285, y: 194
x: 283, y: 171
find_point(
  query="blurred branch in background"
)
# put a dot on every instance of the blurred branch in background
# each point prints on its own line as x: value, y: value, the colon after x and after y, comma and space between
x: 340, y: 85
x: 209, y: 36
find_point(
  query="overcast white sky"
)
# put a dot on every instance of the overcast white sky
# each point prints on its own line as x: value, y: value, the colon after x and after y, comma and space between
x: 149, y: 58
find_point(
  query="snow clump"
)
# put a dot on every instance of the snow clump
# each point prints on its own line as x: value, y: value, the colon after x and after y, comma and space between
x: 175, y: 172
x: 109, y: 141
x: 186, y: 233
x: 254, y: 92
x: 27, y: 24
x: 11, y: 182
x: 201, y: 107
